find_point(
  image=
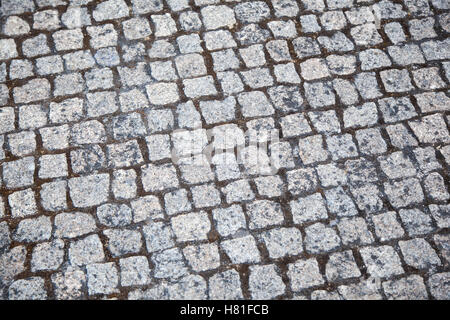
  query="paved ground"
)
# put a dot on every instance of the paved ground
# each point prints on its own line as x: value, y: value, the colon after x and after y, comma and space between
x: 224, y: 149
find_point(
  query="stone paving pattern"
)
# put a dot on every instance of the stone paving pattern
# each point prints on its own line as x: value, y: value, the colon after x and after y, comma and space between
x: 93, y: 95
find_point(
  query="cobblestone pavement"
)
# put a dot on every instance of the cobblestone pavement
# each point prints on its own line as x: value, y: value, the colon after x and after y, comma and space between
x: 224, y: 149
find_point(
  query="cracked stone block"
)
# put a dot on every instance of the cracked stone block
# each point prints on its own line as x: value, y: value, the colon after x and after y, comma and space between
x: 76, y: 17
x: 338, y: 42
